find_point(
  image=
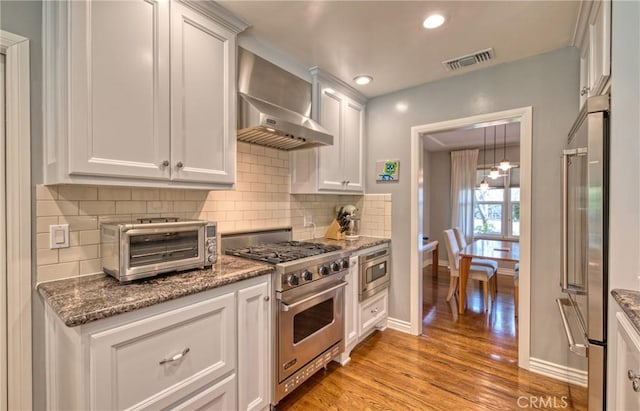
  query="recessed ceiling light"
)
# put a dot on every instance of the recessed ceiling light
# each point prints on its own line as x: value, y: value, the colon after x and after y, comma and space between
x: 433, y: 21
x: 363, y: 79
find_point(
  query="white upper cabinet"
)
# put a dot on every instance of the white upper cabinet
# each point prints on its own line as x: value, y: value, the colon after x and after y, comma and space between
x: 203, y: 142
x: 593, y: 37
x: 140, y: 92
x: 336, y: 169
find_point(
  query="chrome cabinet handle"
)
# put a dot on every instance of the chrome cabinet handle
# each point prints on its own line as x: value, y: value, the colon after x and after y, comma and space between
x: 179, y: 164
x: 165, y: 163
x: 347, y: 182
x: 374, y: 311
x: 584, y: 90
x: 267, y: 298
x: 176, y: 357
x: 635, y: 380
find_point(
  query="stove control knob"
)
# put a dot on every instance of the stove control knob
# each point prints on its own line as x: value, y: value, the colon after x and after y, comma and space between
x: 335, y: 266
x: 293, y: 280
x: 307, y: 275
x: 344, y: 264
x: 324, y: 270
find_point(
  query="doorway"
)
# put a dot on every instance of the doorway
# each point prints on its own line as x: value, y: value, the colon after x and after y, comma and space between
x: 524, y: 116
x: 15, y: 210
x: 3, y: 244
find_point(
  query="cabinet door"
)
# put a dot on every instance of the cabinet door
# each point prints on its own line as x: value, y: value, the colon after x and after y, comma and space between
x: 627, y: 359
x: 155, y: 361
x: 351, y: 304
x: 330, y: 173
x: 254, y: 345
x: 352, y: 145
x: 119, y: 88
x: 600, y: 47
x: 585, y: 61
x: 203, y: 98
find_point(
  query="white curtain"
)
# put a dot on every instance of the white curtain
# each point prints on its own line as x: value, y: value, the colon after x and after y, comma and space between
x: 463, y: 178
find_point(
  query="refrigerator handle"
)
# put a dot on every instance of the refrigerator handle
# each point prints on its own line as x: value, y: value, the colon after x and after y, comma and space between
x: 580, y: 349
x: 564, y: 270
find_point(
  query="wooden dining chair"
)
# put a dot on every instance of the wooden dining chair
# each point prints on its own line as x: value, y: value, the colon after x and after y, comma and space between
x: 462, y: 243
x: 476, y: 272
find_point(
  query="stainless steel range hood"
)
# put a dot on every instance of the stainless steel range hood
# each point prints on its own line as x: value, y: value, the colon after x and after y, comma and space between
x: 274, y: 107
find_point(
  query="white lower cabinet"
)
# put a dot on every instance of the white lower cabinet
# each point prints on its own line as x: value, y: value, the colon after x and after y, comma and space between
x: 373, y: 313
x: 627, y: 346
x: 206, y: 351
x: 361, y: 318
x: 254, y: 342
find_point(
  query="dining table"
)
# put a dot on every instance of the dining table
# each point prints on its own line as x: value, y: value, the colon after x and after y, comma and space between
x: 498, y: 250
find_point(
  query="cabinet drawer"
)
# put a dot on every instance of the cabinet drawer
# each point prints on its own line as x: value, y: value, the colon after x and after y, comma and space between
x: 157, y: 360
x: 221, y: 396
x: 372, y: 311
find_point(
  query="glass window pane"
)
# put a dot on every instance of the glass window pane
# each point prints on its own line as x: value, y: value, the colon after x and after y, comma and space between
x: 492, y: 194
x: 487, y: 219
x: 515, y: 194
x: 515, y: 219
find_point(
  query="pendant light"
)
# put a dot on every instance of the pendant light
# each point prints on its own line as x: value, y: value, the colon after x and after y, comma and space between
x: 494, y: 172
x: 484, y: 184
x: 505, y: 164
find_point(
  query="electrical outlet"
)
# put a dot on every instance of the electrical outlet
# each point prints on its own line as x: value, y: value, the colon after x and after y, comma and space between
x: 308, y: 220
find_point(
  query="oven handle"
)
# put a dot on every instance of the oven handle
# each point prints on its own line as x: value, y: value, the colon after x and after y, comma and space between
x: 287, y: 307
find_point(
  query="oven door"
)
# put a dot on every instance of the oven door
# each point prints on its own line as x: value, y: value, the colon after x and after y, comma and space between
x: 374, y: 273
x: 308, y: 324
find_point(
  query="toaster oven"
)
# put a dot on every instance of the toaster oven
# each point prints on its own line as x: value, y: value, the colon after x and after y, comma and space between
x: 156, y: 245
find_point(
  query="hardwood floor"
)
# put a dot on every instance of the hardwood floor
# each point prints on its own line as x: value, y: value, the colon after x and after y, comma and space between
x: 460, y: 363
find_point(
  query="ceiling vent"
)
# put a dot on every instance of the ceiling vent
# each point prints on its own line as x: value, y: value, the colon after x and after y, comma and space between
x: 469, y: 60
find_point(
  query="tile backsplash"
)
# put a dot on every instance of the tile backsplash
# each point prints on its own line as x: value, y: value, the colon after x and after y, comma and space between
x: 261, y: 200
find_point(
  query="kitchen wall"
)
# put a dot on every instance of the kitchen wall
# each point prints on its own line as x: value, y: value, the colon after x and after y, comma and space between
x: 262, y: 200
x: 547, y: 82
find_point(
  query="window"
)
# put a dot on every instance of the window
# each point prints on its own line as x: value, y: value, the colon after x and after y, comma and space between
x: 496, y: 211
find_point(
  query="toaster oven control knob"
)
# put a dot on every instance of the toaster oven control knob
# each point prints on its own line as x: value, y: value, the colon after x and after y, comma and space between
x: 335, y: 266
x: 210, y: 259
x: 307, y: 275
x: 211, y: 248
x: 344, y: 264
x: 324, y: 270
x: 293, y: 280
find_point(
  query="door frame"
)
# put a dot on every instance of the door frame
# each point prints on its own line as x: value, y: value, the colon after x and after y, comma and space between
x: 18, y: 209
x: 525, y: 115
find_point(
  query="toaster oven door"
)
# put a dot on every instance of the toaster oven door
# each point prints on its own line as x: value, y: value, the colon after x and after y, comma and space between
x: 147, y: 251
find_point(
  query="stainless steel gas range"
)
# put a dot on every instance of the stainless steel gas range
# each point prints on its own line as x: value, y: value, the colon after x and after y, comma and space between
x: 308, y: 305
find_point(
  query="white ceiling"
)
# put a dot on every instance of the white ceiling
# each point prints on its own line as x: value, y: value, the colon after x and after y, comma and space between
x: 386, y: 40
x: 472, y: 138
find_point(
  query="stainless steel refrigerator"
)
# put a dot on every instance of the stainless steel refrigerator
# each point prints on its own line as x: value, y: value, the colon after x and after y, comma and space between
x: 584, y: 271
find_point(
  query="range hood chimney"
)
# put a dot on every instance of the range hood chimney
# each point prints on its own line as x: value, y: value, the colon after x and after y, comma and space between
x: 274, y: 107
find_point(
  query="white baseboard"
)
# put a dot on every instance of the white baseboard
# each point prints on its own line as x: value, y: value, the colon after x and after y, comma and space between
x: 399, y: 325
x: 558, y: 372
x: 441, y: 263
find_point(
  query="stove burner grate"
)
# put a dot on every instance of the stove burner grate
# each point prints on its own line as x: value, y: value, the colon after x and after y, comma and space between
x: 282, y: 252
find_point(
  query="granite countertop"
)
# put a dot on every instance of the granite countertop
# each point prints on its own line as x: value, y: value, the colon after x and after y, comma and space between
x: 90, y: 298
x: 629, y: 301
x: 354, y: 245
